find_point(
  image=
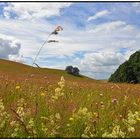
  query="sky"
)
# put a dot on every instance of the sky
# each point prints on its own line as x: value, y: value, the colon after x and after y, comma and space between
x: 97, y: 36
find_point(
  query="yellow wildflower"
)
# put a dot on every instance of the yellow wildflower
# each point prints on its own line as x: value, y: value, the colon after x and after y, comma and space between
x: 68, y: 125
x: 71, y: 119
x: 42, y: 94
x: 57, y: 115
x: 95, y: 114
x: 12, y: 123
x: 17, y: 87
x: 138, y: 119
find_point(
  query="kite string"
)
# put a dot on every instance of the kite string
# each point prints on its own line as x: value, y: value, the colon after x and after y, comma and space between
x: 41, y: 48
x: 38, y: 54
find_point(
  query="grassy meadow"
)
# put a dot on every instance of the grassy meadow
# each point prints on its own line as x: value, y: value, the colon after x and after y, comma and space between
x: 46, y: 103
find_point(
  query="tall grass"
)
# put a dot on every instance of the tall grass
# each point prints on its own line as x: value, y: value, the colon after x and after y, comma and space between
x: 48, y: 111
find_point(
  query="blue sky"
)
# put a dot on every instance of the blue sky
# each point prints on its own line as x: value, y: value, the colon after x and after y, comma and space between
x: 97, y: 36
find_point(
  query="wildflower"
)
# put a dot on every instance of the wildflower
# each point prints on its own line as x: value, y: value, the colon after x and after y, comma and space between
x: 116, y: 133
x: 131, y: 129
x: 44, y: 118
x: 17, y: 87
x: 120, y: 116
x: 71, y: 119
x: 41, y: 88
x: 1, y: 105
x: 95, y: 114
x: 42, y: 94
x: 88, y: 95
x: 101, y: 94
x: 31, y: 128
x: 4, y: 116
x: 114, y: 100
x: 32, y: 75
x: 84, y: 136
x: 62, y: 82
x: 102, y: 106
x: 16, y: 131
x: 21, y: 105
x: 12, y: 123
x: 138, y: 119
x: 125, y: 97
x: 68, y: 124
x: 101, y: 103
x: 59, y: 91
x: 131, y: 120
x: 57, y: 115
x: 20, y: 111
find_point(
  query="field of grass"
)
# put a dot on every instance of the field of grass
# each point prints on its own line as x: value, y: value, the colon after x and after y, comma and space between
x: 46, y: 103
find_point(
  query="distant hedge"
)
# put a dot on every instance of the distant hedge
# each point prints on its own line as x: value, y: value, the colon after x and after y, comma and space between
x: 129, y: 71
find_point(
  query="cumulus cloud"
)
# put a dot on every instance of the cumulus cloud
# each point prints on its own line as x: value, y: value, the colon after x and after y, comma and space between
x: 103, y: 58
x: 99, y: 15
x: 101, y: 63
x: 9, y: 47
x: 33, y: 10
x: 101, y: 46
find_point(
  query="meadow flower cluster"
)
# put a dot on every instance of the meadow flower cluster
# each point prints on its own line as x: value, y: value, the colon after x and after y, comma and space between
x: 4, y: 117
x: 128, y: 123
x: 59, y: 91
x: 132, y: 120
x: 31, y: 111
x: 116, y: 132
x: 50, y: 125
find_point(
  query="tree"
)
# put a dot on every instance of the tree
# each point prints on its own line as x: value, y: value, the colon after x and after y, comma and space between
x: 72, y: 70
x: 69, y: 69
x: 129, y: 71
x: 75, y: 71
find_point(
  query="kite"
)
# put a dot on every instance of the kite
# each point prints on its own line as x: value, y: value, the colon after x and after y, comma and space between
x: 58, y: 28
x: 55, y: 32
x: 50, y: 41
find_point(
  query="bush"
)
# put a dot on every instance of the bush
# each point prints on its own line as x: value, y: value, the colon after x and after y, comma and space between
x: 72, y: 70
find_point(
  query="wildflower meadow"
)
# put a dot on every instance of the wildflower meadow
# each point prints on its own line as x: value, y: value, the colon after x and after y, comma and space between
x: 69, y: 69
x: 67, y: 109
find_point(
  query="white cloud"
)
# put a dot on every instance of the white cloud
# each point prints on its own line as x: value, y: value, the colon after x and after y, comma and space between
x: 99, y: 15
x: 109, y: 27
x: 101, y: 44
x: 33, y: 10
x: 136, y: 5
x: 101, y: 63
x: 9, y: 47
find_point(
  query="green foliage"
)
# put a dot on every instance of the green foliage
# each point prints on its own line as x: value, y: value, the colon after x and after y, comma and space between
x: 72, y: 70
x: 129, y: 71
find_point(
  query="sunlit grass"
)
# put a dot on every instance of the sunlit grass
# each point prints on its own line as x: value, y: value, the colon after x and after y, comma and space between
x: 99, y: 110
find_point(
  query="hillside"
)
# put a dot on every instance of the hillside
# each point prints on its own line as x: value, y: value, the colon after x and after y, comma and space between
x: 129, y: 71
x: 54, y: 104
x: 18, y: 71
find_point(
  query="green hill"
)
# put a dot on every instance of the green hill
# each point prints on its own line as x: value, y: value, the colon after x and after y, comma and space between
x: 16, y: 70
x: 129, y: 71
